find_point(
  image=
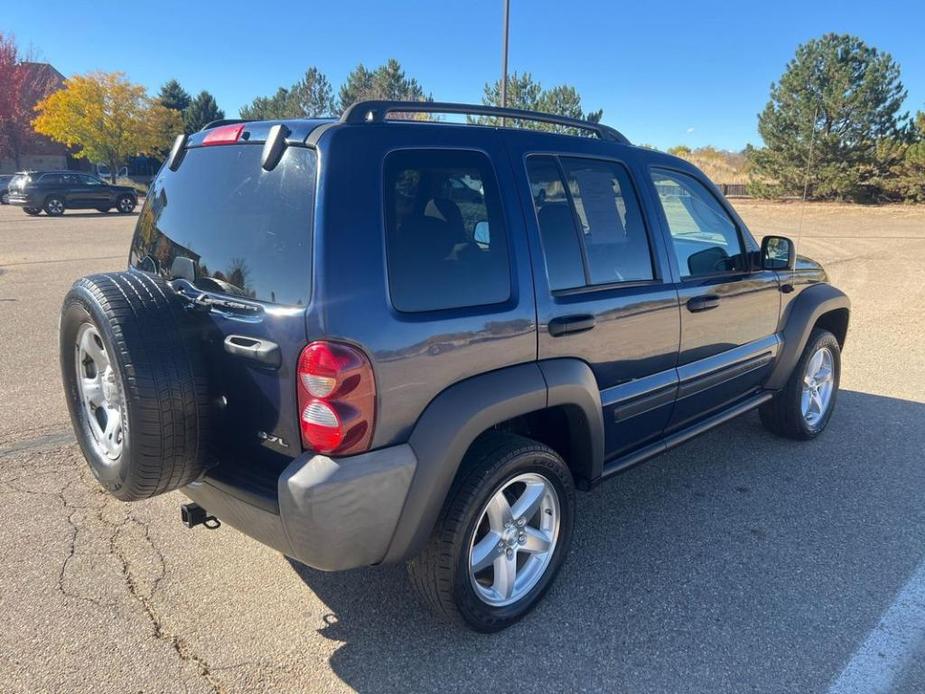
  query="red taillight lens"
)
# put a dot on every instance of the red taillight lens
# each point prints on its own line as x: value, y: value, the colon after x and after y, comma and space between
x: 337, y: 398
x: 223, y: 135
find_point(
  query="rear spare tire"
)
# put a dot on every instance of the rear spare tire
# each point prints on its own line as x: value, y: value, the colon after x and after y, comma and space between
x: 135, y: 384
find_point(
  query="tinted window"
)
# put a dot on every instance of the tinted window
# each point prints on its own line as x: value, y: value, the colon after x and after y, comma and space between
x: 90, y: 181
x: 446, y: 242
x: 51, y: 180
x: 612, y: 227
x: 705, y: 238
x: 556, y: 221
x: 226, y: 224
x: 592, y: 218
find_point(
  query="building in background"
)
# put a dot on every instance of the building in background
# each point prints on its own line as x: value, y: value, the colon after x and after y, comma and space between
x: 39, y: 153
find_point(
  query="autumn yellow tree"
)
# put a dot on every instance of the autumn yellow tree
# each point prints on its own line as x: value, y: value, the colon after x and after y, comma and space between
x: 107, y: 118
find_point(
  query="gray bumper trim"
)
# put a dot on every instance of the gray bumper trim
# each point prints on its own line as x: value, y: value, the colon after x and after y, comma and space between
x: 333, y: 514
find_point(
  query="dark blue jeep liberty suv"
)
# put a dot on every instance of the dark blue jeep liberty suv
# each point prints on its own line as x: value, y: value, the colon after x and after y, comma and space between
x: 384, y: 338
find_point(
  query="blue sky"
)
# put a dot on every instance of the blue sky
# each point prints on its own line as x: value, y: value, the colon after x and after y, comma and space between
x: 665, y: 72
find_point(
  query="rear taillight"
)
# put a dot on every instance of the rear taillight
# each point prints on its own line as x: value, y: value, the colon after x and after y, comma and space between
x: 337, y: 398
x: 223, y: 135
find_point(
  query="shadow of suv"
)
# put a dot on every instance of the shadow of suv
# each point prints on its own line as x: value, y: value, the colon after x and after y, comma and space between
x: 57, y: 191
x: 420, y: 349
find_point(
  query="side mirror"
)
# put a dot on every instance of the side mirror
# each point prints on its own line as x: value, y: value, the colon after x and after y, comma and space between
x: 778, y: 253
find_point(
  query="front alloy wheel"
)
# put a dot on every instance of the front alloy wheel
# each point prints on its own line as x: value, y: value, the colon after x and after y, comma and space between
x: 803, y: 408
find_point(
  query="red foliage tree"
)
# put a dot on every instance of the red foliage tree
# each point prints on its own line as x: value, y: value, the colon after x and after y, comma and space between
x: 22, y: 85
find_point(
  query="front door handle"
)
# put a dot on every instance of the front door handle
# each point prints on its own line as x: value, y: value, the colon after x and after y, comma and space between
x: 569, y: 325
x: 702, y: 303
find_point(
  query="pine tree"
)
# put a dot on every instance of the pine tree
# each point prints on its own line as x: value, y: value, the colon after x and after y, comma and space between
x: 202, y: 110
x: 838, y: 102
x: 523, y: 92
x: 172, y: 95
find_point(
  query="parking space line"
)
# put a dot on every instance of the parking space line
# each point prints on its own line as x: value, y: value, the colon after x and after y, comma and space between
x: 898, y: 636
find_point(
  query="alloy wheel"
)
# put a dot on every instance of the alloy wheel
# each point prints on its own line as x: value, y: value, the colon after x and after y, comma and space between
x: 818, y: 386
x: 100, y: 396
x: 514, y: 539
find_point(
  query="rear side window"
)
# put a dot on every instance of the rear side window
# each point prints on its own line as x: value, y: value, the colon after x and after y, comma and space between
x: 227, y: 225
x: 561, y: 246
x: 590, y: 221
x: 446, y: 243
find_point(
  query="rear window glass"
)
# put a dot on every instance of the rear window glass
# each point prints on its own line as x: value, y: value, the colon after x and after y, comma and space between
x: 225, y: 224
x: 446, y: 241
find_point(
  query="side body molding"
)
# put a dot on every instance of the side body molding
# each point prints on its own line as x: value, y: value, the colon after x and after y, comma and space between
x: 798, y: 323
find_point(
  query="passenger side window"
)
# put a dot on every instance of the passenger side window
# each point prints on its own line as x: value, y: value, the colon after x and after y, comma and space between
x: 90, y: 181
x: 446, y: 243
x: 612, y: 228
x: 705, y: 238
x: 590, y: 222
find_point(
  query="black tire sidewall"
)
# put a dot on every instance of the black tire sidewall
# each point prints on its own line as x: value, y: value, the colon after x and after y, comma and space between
x: 119, y: 204
x: 81, y: 309
x: 478, y: 614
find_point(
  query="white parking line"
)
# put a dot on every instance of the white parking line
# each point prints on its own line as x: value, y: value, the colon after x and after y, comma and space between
x: 898, y: 636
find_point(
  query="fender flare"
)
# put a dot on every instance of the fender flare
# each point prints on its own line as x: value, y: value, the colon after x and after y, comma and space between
x: 801, y: 316
x: 459, y: 414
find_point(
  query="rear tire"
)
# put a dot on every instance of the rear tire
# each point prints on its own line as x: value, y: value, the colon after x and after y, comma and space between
x: 54, y: 207
x: 803, y: 408
x: 125, y: 204
x: 446, y: 573
x: 135, y: 386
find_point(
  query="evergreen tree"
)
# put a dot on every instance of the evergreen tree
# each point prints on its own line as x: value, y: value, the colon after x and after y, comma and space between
x: 202, y: 110
x: 172, y: 95
x: 523, y: 92
x: 830, y: 122
x: 310, y: 97
x: 387, y: 81
x: 313, y: 95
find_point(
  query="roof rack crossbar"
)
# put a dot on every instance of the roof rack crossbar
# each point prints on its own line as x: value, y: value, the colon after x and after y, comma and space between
x: 377, y: 111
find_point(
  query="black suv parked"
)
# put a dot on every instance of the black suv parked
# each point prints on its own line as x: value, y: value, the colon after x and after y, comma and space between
x: 375, y: 340
x: 57, y: 191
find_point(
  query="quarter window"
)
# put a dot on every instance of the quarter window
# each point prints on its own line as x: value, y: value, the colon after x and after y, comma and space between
x: 705, y: 238
x: 445, y: 236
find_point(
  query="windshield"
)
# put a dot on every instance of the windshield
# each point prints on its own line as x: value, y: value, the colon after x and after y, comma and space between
x: 227, y: 225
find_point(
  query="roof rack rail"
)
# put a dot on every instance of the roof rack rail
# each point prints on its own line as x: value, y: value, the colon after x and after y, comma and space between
x: 377, y: 111
x: 223, y: 121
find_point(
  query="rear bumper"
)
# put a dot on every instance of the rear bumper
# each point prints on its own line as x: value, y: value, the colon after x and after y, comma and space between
x: 334, y: 514
x: 22, y: 200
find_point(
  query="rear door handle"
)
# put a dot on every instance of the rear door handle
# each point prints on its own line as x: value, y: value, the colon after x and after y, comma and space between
x: 702, y: 303
x: 263, y: 351
x: 569, y: 325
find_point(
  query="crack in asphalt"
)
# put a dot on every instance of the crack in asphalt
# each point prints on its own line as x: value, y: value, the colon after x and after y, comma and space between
x: 100, y: 504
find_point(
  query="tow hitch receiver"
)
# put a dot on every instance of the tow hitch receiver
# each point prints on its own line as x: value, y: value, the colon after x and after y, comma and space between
x: 194, y: 514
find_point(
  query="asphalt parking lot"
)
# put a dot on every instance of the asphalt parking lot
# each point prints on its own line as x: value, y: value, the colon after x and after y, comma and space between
x: 740, y: 562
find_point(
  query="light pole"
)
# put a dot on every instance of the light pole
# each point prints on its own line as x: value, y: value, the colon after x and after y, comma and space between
x: 507, y: 15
